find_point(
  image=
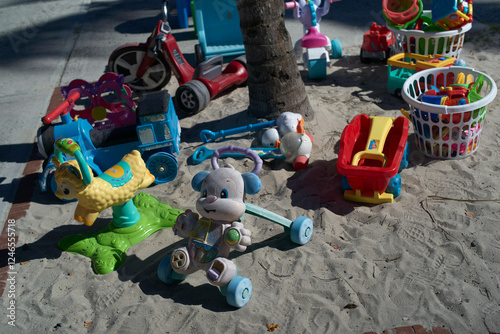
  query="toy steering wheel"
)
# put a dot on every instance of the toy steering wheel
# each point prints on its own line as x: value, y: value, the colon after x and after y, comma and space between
x: 236, y: 149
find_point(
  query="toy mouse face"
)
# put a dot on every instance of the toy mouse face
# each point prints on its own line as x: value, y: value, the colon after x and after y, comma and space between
x: 222, y: 195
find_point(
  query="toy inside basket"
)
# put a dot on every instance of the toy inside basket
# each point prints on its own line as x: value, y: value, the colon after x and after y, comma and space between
x: 448, y: 131
x: 448, y: 43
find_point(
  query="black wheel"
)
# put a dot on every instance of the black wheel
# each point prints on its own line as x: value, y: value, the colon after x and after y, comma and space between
x: 397, y: 93
x: 242, y: 59
x: 126, y: 61
x: 364, y: 60
x: 198, y: 54
x: 387, y: 55
x: 192, y: 97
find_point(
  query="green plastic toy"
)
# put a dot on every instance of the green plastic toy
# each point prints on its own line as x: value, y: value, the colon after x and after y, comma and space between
x: 107, y: 248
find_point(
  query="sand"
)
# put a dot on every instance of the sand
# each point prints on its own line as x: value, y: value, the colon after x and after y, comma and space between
x: 419, y: 260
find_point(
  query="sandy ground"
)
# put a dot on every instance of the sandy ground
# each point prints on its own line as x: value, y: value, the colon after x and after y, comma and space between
x: 418, y: 260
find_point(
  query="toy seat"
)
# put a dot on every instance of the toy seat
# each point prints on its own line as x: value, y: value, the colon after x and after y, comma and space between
x: 314, y: 39
x: 218, y: 27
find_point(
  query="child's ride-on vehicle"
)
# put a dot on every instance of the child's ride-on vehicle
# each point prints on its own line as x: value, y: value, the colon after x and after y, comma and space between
x: 156, y: 136
x: 148, y: 67
x: 318, y: 46
x: 372, y: 152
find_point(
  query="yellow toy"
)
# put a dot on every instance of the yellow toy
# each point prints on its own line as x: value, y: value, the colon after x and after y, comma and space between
x: 380, y: 127
x: 113, y: 188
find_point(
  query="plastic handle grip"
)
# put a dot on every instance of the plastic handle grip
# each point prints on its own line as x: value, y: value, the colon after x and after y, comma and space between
x: 62, y: 109
x: 208, y: 136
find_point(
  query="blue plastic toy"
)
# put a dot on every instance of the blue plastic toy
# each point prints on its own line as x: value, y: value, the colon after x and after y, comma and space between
x: 218, y: 27
x: 156, y: 136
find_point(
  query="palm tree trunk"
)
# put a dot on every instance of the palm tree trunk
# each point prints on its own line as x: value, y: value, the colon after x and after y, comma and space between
x: 274, y: 81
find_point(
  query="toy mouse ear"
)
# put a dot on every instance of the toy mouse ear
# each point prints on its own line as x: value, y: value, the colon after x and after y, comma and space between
x: 252, y: 183
x: 198, y: 180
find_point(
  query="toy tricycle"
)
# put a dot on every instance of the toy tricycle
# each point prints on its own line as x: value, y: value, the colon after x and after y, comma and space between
x: 217, y: 229
x: 318, y: 46
x: 148, y: 67
x: 372, y: 152
x: 156, y: 136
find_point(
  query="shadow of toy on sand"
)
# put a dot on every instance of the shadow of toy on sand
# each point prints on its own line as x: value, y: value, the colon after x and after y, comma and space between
x: 144, y: 272
x: 46, y: 246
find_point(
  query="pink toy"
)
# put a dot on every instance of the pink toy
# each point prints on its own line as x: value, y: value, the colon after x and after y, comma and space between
x: 318, y: 46
x: 95, y: 97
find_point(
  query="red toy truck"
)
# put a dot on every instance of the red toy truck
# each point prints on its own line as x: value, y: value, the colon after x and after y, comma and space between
x: 376, y: 44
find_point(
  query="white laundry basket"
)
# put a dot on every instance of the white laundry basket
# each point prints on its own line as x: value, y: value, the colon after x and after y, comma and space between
x: 447, y: 43
x: 447, y: 132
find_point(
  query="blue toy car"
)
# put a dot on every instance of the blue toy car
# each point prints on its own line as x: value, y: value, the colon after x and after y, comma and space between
x: 156, y: 135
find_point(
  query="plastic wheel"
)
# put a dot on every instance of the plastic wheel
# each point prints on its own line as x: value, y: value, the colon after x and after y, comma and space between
x: 301, y: 230
x: 316, y: 69
x: 336, y: 49
x: 163, y: 166
x: 404, y: 160
x: 192, y: 97
x: 239, y: 291
x: 345, y: 184
x: 394, y: 186
x: 397, y: 93
x: 166, y: 274
x: 126, y: 61
x: 364, y: 60
x: 198, y: 54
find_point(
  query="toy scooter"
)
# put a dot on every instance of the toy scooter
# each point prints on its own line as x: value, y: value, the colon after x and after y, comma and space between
x: 148, y: 67
x: 294, y: 148
x: 318, y: 46
x: 285, y: 138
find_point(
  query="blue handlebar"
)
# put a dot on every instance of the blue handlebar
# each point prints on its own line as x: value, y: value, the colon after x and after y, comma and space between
x: 208, y: 136
x: 203, y: 153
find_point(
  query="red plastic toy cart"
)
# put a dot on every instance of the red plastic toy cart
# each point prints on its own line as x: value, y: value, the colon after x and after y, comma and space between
x: 373, y: 177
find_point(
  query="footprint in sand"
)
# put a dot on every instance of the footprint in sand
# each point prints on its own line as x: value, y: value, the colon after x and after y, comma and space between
x: 109, y: 297
x: 491, y: 316
x: 435, y: 274
x: 133, y: 325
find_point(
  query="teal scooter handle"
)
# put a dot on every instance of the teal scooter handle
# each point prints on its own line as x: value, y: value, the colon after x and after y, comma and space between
x: 203, y: 153
x: 208, y: 136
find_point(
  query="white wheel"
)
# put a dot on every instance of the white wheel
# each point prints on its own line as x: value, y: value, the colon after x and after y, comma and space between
x: 126, y: 61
